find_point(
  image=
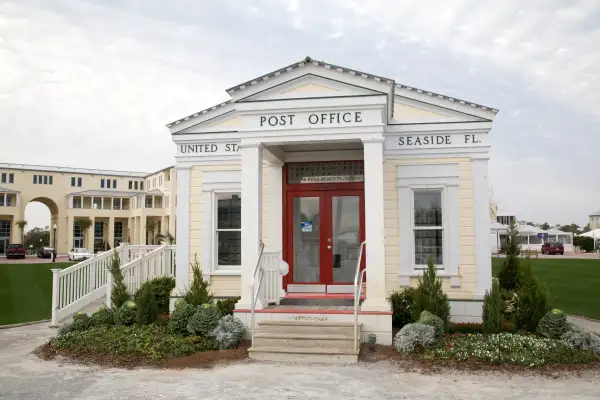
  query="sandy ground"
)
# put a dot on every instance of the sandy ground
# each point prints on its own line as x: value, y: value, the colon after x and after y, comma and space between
x: 24, y: 376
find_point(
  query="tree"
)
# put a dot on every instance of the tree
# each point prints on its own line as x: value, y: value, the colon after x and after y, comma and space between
x: 151, y: 226
x: 429, y: 296
x: 586, y: 228
x: 533, y: 301
x: 530, y: 224
x: 22, y: 224
x: 545, y: 226
x: 573, y: 228
x: 37, y: 237
x: 509, y: 274
x: 198, y: 292
x: 83, y: 224
x: 119, y: 294
x: 166, y: 238
x: 493, y: 319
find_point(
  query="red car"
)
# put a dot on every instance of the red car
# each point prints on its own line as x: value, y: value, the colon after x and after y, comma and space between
x: 15, y: 251
x: 553, y: 248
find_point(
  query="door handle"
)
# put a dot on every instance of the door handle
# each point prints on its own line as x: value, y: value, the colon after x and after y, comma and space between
x: 329, y: 247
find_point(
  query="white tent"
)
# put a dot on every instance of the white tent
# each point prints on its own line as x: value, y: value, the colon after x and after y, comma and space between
x: 592, y: 234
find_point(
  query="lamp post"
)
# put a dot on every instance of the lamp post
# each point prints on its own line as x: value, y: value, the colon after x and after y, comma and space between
x: 54, y: 246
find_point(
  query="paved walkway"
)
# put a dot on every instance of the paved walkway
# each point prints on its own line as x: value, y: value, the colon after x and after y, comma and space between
x: 587, y: 324
x: 23, y: 376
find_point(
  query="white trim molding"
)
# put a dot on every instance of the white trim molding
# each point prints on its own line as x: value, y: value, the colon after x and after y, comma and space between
x: 182, y: 257
x: 481, y: 201
x: 443, y: 177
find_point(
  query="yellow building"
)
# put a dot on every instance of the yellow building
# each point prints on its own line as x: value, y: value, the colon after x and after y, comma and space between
x: 132, y: 207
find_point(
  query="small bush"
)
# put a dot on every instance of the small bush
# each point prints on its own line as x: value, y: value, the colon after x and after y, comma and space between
x: 372, y: 339
x: 146, y: 307
x: 413, y: 337
x: 125, y: 315
x: 580, y: 339
x: 553, y: 325
x: 226, y: 306
x: 229, y: 332
x: 510, y: 301
x: 533, y: 301
x: 119, y: 294
x: 428, y: 318
x: 161, y: 288
x: 181, y: 316
x: 493, y: 318
x: 204, y: 320
x: 429, y: 296
x: 509, y: 274
x: 402, y: 306
x: 103, y: 317
x: 465, y: 327
x: 507, y: 348
x: 198, y: 293
x: 81, y: 321
x: 149, y: 342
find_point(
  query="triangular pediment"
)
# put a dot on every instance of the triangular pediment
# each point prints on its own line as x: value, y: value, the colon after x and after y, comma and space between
x: 409, y: 111
x: 309, y: 86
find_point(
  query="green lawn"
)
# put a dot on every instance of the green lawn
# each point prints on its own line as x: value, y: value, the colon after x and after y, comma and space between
x: 26, y: 292
x: 574, y: 284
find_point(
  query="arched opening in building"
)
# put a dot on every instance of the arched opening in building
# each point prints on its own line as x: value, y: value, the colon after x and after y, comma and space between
x: 42, y: 224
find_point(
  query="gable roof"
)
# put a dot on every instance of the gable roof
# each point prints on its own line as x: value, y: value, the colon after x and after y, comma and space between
x: 308, y: 60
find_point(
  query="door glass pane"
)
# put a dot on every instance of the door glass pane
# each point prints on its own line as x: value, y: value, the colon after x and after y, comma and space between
x: 345, y: 219
x: 307, y: 243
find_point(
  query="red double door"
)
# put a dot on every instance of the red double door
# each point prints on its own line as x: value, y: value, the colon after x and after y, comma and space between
x: 323, y: 230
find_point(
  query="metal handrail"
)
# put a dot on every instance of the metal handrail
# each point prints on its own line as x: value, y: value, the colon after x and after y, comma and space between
x: 358, y: 280
x: 256, y: 291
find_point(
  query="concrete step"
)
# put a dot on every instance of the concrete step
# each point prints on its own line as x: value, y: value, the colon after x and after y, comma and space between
x: 304, y: 355
x: 303, y: 340
x: 332, y: 302
x: 307, y: 327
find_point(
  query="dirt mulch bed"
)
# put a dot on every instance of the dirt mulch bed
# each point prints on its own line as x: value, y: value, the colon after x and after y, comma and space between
x: 206, y: 359
x: 416, y: 363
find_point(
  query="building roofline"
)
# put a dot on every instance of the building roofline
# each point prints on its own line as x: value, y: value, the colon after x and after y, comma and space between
x: 89, y: 171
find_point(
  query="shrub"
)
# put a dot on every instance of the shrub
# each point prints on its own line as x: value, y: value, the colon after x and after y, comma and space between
x: 492, y: 316
x: 102, y: 317
x: 372, y: 339
x: 226, y: 306
x: 507, y: 348
x: 119, y: 294
x: 161, y: 289
x: 585, y: 243
x: 180, y: 317
x: 146, y: 307
x: 229, y: 332
x: 402, y: 306
x: 125, y: 315
x: 414, y: 337
x: 204, y: 320
x: 198, y: 293
x: 581, y: 339
x: 179, y: 303
x: 430, y: 297
x: 149, y: 342
x: 81, y: 321
x: 510, y: 301
x: 553, y: 325
x: 509, y: 274
x: 533, y: 301
x: 465, y: 327
x: 428, y: 318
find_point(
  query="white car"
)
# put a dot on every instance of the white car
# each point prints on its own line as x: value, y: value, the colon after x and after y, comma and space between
x: 79, y: 253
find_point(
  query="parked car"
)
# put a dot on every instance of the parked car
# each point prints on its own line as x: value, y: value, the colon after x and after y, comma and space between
x: 46, y: 252
x: 553, y: 248
x: 15, y: 251
x: 80, y: 253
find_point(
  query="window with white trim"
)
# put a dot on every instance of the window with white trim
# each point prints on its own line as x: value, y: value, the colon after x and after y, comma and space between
x: 229, y: 230
x: 428, y: 226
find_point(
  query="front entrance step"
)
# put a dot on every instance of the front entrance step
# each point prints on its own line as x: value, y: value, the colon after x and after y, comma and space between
x: 304, y: 355
x: 307, y: 327
x: 303, y: 341
x: 324, y: 302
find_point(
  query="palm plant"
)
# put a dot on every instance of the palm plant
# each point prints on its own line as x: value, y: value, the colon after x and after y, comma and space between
x: 151, y: 226
x: 22, y: 224
x: 166, y: 237
x: 83, y: 224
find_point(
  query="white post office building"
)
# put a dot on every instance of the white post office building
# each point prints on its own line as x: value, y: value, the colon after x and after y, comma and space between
x: 312, y: 160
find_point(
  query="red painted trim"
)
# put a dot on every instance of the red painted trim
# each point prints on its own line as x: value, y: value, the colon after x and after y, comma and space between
x: 308, y: 311
x: 321, y: 296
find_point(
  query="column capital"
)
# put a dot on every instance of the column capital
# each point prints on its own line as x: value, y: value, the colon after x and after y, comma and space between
x: 373, y: 139
x: 248, y: 145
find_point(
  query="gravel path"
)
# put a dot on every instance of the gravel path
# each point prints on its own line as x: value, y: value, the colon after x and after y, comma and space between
x: 23, y: 376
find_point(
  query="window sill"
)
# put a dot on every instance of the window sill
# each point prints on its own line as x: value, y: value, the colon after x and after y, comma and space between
x: 226, y: 272
x: 404, y: 278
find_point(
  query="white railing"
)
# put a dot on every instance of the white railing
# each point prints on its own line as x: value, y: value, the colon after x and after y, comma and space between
x: 256, y: 283
x: 273, y: 284
x: 358, y: 282
x: 135, y: 250
x: 80, y: 285
x: 160, y: 261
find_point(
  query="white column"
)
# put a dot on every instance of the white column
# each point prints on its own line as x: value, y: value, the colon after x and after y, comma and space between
x: 374, y: 226
x: 182, y: 257
x: 481, y: 206
x: 251, y: 218
x: 275, y: 206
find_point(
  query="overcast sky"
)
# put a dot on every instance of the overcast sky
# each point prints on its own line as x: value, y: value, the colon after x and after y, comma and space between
x: 93, y: 83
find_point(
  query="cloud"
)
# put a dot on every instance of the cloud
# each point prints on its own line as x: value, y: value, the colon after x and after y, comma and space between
x: 104, y: 78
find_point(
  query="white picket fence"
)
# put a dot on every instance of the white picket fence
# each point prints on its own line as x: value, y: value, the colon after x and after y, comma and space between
x: 80, y: 285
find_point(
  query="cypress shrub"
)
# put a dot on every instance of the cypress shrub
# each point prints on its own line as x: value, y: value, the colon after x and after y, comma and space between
x: 226, y: 306
x: 402, y: 306
x: 509, y: 274
x: 161, y: 289
x: 147, y: 309
x: 198, y: 293
x: 493, y: 319
x: 533, y: 301
x: 430, y: 297
x: 119, y: 294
